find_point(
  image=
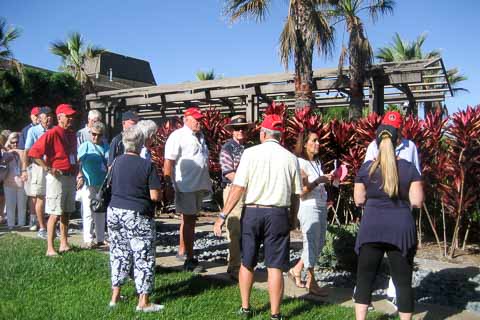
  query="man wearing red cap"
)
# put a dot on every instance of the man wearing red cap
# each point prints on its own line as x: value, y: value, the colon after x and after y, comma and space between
x: 405, y: 149
x: 267, y: 175
x: 34, y: 120
x: 59, y: 148
x: 186, y: 172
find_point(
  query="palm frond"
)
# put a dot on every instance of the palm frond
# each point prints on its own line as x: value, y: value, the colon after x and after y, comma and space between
x: 385, y: 55
x: 323, y: 33
x: 205, y: 75
x: 288, y: 41
x: 455, y: 77
x: 93, y: 51
x: 380, y: 7
x: 254, y: 9
x: 60, y: 48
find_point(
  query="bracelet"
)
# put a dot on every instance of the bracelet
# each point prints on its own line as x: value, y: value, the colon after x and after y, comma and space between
x: 222, y: 216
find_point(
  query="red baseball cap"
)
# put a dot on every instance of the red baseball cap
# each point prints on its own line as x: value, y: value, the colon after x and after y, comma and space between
x: 194, y: 112
x: 273, y: 122
x: 393, y: 118
x: 65, y: 109
x: 35, y: 111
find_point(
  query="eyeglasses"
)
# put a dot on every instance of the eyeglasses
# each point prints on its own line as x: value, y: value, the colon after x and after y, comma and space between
x: 240, y: 129
x: 13, y: 142
x: 94, y: 134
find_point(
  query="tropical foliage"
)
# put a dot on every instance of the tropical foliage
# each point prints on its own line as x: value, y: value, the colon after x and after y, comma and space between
x: 358, y: 49
x: 206, y: 75
x: 7, y: 35
x: 75, y: 54
x: 305, y: 30
x: 449, y: 150
x: 37, y: 88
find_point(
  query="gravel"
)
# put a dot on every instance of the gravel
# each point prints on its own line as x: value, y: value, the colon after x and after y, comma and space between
x: 458, y: 288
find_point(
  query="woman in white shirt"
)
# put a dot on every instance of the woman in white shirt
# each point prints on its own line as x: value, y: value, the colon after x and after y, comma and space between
x: 312, y: 212
x: 16, y: 199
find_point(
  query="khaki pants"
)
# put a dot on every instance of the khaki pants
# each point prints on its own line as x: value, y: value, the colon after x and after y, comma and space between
x: 233, y: 232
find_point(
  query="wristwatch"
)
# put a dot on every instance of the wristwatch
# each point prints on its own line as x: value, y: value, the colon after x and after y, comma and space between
x: 222, y: 216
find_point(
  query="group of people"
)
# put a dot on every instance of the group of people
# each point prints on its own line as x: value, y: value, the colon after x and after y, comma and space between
x: 53, y: 165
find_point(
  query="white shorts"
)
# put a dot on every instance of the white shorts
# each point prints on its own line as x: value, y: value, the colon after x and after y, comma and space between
x: 60, y: 196
x: 189, y: 203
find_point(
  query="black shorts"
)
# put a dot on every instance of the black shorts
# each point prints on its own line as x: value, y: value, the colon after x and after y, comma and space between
x: 269, y: 226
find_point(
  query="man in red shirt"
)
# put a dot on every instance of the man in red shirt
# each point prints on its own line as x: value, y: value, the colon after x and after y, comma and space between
x: 56, y: 153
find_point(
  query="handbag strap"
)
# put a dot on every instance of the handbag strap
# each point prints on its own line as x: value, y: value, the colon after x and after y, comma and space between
x: 101, y: 153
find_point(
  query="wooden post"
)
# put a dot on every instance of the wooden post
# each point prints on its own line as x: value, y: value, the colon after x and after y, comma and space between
x: 376, y: 99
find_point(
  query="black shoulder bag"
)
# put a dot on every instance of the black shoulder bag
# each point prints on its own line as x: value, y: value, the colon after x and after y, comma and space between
x: 102, y: 198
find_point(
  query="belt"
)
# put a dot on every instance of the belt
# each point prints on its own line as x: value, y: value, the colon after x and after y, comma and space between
x: 262, y: 206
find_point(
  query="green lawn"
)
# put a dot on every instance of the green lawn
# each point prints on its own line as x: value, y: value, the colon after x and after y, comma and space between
x: 77, y: 286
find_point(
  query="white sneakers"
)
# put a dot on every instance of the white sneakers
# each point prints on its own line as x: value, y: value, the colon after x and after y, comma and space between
x: 151, y: 308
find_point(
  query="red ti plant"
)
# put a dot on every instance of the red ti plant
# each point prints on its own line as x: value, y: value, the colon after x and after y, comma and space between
x: 159, y: 140
x: 462, y: 167
x: 366, y: 128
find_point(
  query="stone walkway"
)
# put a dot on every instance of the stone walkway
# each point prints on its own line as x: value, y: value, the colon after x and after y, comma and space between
x: 341, y: 296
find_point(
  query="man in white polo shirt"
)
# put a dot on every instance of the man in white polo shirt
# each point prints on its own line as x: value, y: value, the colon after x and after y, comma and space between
x: 268, y: 175
x: 186, y: 172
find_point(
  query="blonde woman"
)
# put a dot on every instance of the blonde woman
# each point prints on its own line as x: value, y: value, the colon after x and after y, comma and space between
x: 312, y: 212
x: 15, y: 197
x: 388, y: 188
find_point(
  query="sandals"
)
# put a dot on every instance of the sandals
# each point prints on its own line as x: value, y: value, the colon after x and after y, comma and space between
x: 296, y: 278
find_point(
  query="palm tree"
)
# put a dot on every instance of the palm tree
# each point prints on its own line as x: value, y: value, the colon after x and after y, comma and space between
x: 404, y: 50
x: 358, y: 50
x: 7, y: 36
x: 305, y: 30
x: 206, y: 75
x: 74, y: 54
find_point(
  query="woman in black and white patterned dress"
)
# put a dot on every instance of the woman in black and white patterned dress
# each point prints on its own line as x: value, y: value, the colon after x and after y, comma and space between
x: 131, y: 227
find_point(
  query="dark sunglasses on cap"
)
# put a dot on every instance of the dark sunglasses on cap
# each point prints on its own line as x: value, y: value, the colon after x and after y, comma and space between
x: 240, y: 128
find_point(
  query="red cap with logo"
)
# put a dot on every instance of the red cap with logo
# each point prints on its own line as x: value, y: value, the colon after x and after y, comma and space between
x: 273, y: 122
x: 194, y: 112
x: 393, y: 118
x: 35, y: 111
x: 65, y: 109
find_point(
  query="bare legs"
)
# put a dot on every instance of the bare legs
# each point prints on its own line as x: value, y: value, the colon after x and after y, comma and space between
x: 52, y: 222
x: 187, y: 235
x: 39, y: 203
x: 275, y: 287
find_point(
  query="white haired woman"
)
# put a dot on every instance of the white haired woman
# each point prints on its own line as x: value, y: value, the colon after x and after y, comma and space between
x: 148, y: 128
x: 15, y: 197
x: 93, y: 157
x: 131, y: 227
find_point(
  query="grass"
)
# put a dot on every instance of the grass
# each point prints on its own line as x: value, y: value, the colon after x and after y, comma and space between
x: 77, y: 286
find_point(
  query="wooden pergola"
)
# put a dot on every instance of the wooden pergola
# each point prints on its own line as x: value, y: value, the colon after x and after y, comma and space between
x: 388, y: 83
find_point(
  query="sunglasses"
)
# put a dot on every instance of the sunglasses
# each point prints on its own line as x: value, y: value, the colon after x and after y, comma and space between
x: 94, y: 134
x: 240, y: 129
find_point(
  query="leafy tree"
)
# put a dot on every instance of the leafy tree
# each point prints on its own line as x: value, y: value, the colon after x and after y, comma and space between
x: 75, y: 54
x: 305, y: 30
x: 7, y: 35
x: 404, y: 50
x: 358, y: 50
x: 38, y: 88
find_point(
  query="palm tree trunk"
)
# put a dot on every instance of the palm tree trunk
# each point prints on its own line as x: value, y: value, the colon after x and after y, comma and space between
x: 303, y: 56
x: 356, y: 100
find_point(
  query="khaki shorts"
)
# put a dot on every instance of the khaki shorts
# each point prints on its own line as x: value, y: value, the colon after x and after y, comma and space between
x: 60, y: 196
x: 189, y: 203
x: 37, y: 182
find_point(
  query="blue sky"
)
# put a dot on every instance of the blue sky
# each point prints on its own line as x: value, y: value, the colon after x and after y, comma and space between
x: 181, y: 37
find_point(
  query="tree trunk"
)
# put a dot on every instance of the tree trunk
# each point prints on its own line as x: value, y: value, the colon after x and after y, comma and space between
x: 464, y: 245
x: 360, y: 58
x: 356, y: 100
x: 303, y: 56
x: 444, y: 232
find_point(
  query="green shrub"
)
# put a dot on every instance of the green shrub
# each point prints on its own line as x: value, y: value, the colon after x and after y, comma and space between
x: 338, y: 252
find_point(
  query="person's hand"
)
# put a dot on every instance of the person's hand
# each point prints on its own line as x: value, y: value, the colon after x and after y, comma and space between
x: 24, y: 176
x: 329, y: 177
x: 217, y: 227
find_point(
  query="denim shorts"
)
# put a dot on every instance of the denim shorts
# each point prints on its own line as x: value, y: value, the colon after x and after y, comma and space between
x: 269, y: 226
